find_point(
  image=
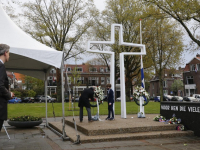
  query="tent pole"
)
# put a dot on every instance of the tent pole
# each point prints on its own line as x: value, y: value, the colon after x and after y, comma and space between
x: 63, y: 103
x: 45, y: 85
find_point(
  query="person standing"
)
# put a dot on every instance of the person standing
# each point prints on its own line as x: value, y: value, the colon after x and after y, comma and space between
x: 5, y: 94
x: 110, y: 97
x: 84, y: 101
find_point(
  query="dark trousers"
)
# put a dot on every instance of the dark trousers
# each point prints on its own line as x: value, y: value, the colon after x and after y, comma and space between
x: 88, y: 112
x: 110, y: 110
x: 1, y: 124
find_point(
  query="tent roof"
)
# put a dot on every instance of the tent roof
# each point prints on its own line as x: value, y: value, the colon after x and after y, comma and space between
x: 27, y: 56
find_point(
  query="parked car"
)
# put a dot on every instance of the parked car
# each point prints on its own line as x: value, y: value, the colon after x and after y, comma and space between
x: 72, y: 99
x: 177, y: 98
x: 28, y: 100
x: 157, y: 99
x: 174, y: 98
x: 15, y: 100
x: 37, y: 98
x: 66, y: 99
x: 118, y: 99
x: 49, y: 99
x: 167, y: 97
x: 189, y: 99
x: 151, y: 98
x: 197, y: 96
x: 105, y: 98
x: 76, y: 99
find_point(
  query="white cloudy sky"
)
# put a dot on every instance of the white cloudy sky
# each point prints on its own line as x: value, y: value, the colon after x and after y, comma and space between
x: 187, y: 56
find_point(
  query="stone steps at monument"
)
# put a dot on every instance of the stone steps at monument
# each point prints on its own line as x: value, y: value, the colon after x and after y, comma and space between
x: 120, y: 130
x: 71, y: 133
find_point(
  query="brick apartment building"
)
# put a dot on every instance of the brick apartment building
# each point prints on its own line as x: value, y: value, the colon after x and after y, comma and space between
x: 86, y: 75
x: 81, y: 77
x: 170, y: 75
x: 191, y: 76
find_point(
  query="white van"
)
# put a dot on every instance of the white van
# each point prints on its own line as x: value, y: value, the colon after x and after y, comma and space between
x: 197, y: 96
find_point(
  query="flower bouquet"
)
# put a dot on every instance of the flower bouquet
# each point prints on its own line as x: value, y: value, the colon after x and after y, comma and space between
x: 180, y: 128
x: 25, y: 121
x: 99, y: 94
x: 25, y: 118
x: 174, y: 120
x: 159, y: 118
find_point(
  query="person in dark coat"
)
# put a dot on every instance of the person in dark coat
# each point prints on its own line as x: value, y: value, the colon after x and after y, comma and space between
x: 110, y: 97
x: 84, y: 101
x: 5, y: 94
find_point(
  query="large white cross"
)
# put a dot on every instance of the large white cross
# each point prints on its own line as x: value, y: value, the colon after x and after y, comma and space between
x: 122, y: 71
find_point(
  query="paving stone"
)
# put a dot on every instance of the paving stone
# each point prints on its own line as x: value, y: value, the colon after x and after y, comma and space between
x: 28, y: 139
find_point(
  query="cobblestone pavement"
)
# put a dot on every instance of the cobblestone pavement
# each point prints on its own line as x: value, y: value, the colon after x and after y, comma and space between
x: 41, y: 138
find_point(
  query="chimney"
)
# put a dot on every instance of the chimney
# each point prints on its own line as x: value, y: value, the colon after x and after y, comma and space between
x: 198, y: 55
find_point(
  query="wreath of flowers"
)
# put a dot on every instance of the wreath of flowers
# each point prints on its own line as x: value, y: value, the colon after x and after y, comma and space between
x: 138, y: 92
x: 98, y: 92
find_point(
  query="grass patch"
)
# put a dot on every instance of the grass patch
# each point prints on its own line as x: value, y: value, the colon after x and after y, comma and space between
x: 39, y: 109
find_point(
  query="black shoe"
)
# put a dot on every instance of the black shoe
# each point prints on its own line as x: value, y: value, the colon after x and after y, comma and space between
x: 112, y: 118
x: 108, y: 118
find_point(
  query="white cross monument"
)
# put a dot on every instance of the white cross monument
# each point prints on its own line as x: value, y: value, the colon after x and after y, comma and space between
x: 112, y: 65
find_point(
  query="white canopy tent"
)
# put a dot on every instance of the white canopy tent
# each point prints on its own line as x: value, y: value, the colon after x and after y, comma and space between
x: 28, y: 56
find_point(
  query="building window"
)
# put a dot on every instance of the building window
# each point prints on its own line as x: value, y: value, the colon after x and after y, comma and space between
x: 108, y: 80
x: 53, y: 71
x: 198, y: 66
x: 69, y: 80
x: 79, y: 69
x: 192, y: 67
x: 165, y: 92
x: 107, y: 69
x: 189, y: 80
x: 93, y: 81
x: 80, y: 80
x: 165, y: 84
x: 101, y: 69
x: 68, y: 69
x: 92, y: 69
x: 102, y: 80
x: 172, y: 75
x: 153, y: 86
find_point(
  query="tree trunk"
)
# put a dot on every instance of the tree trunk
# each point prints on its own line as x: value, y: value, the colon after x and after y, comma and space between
x: 58, y: 81
x: 128, y: 88
x: 161, y: 88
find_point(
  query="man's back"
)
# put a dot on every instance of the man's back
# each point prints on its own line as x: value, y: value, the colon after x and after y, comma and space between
x: 84, y: 98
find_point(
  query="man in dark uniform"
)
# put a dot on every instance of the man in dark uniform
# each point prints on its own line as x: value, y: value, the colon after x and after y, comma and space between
x: 85, y: 102
x: 5, y: 95
x: 110, y: 98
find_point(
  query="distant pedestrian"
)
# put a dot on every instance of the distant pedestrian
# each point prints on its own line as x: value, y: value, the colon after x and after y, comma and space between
x: 110, y: 97
x: 84, y: 101
x: 5, y: 94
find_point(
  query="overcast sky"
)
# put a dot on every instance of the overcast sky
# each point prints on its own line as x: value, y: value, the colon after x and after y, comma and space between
x: 187, y: 56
